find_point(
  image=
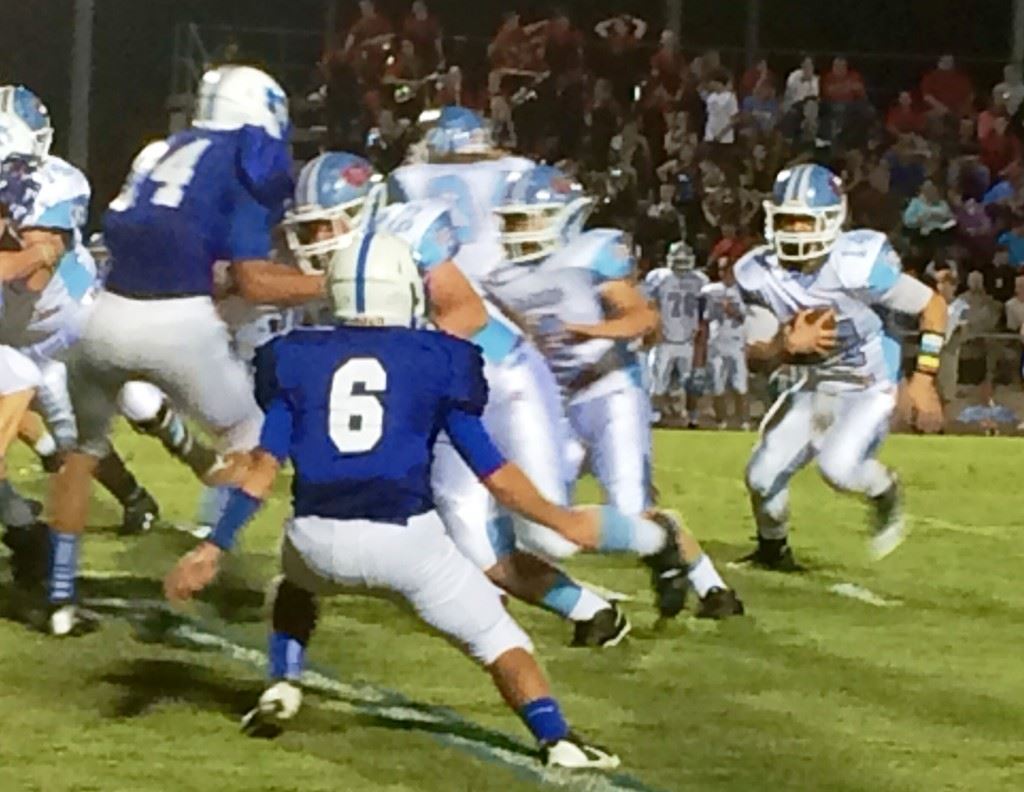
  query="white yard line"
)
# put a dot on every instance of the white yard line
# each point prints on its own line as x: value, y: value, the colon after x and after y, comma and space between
x: 371, y: 700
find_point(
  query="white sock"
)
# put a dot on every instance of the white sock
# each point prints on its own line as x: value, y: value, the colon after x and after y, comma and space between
x: 45, y: 445
x: 587, y: 605
x: 648, y: 537
x: 703, y: 576
x: 875, y: 478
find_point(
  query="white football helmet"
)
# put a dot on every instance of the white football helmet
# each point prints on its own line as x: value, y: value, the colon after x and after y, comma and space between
x: 373, y: 280
x: 230, y: 97
x: 680, y: 257
x: 25, y: 128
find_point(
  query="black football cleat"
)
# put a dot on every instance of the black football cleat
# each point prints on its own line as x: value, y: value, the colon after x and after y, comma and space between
x: 30, y: 555
x: 668, y: 572
x: 140, y: 514
x: 608, y: 627
x: 774, y: 555
x: 719, y: 603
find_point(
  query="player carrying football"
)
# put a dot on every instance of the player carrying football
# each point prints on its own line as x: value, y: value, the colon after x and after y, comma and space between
x: 833, y: 294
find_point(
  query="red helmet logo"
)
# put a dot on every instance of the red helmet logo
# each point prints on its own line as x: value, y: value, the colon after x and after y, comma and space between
x: 356, y: 174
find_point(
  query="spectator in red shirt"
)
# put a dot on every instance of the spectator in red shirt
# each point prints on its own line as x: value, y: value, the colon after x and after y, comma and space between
x: 946, y: 90
x: 667, y: 63
x: 841, y: 84
x: 563, y: 49
x: 370, y: 25
x: 618, y: 62
x: 1000, y: 149
x: 505, y: 49
x: 903, y: 118
x: 732, y: 245
x: 987, y: 117
x: 756, y: 75
x: 424, y: 31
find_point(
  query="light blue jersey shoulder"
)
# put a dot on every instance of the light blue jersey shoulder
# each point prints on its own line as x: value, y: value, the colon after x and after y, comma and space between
x: 860, y: 270
x: 602, y: 251
x: 62, y: 202
x: 426, y: 226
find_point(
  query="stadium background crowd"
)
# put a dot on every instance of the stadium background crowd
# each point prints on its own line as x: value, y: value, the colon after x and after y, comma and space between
x: 680, y: 144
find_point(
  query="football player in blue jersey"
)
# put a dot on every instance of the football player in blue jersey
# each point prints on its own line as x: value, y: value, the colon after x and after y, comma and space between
x: 216, y: 194
x: 357, y: 409
x: 334, y: 199
x: 575, y: 292
x: 824, y: 298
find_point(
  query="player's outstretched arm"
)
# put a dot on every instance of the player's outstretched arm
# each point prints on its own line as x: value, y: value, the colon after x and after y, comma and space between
x: 455, y: 306
x: 264, y: 282
x: 197, y: 569
x: 631, y: 315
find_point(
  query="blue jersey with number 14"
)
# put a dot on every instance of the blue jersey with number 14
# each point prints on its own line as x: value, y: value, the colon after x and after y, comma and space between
x: 358, y: 408
x: 214, y: 196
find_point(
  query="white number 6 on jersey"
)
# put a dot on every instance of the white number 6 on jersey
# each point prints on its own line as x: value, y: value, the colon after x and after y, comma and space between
x: 355, y: 421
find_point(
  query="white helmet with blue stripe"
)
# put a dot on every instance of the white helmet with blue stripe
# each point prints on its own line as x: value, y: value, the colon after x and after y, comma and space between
x: 25, y: 128
x: 542, y: 208
x: 373, y: 280
x: 232, y: 97
x: 332, y: 196
x: 805, y: 214
x: 458, y: 132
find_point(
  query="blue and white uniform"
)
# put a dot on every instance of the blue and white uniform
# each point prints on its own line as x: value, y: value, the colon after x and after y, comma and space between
x: 725, y: 314
x: 678, y: 296
x: 839, y: 411
x: 48, y: 194
x: 524, y: 413
x: 599, y: 378
x: 357, y: 410
x: 214, y: 195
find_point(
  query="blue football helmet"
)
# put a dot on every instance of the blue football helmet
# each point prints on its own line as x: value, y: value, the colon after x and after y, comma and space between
x: 333, y: 194
x: 805, y: 192
x: 458, y: 131
x: 542, y: 208
x: 25, y: 128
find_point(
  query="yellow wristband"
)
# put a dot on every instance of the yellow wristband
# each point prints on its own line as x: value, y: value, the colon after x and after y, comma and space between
x: 927, y: 364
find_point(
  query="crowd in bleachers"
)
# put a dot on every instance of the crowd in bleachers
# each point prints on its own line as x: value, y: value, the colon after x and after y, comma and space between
x: 677, y: 145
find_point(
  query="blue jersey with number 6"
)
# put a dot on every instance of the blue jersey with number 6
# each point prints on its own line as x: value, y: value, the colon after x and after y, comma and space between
x: 214, y: 196
x: 358, y: 408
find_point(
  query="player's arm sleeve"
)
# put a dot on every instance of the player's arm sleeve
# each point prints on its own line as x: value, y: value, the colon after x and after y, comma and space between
x: 438, y: 243
x: 278, y: 424
x: 249, y: 229
x: 613, y: 261
x: 265, y: 169
x: 265, y: 376
x: 65, y: 216
x: 889, y: 286
x: 467, y: 387
x: 471, y: 441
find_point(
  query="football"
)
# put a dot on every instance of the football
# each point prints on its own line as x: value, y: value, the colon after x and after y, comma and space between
x: 815, y: 314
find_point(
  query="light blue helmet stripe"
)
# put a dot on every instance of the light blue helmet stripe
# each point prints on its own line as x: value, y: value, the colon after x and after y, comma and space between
x: 364, y: 251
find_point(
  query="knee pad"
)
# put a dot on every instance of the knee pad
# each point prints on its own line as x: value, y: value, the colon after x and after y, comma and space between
x: 504, y: 636
x: 294, y: 611
x: 141, y: 403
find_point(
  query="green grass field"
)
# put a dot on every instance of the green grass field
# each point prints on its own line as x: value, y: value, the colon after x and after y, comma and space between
x: 811, y: 691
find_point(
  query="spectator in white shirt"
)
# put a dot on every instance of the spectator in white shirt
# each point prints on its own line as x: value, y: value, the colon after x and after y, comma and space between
x: 1015, y: 307
x: 722, y: 109
x: 802, y: 84
x: 1011, y: 89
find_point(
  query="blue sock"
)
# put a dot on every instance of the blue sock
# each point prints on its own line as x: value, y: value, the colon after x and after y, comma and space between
x: 63, y: 565
x: 543, y: 718
x: 287, y: 656
x: 562, y: 596
x: 617, y: 531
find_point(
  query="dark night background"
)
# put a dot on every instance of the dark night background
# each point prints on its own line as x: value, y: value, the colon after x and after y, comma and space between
x: 134, y: 45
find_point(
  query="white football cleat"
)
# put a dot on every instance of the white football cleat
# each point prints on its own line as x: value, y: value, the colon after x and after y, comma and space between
x: 573, y: 753
x: 279, y: 703
x: 67, y: 620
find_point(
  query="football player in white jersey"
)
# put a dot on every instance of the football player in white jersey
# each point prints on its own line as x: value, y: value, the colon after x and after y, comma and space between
x: 575, y: 294
x: 726, y: 318
x: 831, y: 294
x: 467, y: 173
x: 676, y: 289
